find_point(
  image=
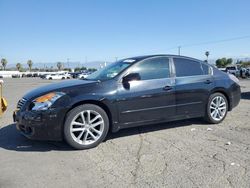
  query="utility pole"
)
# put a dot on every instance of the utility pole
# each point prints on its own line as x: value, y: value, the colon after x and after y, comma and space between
x: 86, y: 60
x: 207, y: 54
x: 179, y: 50
x: 68, y: 62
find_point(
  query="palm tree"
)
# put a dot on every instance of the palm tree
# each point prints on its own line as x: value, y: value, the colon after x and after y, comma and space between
x: 207, y: 54
x: 30, y: 63
x: 18, y: 66
x: 59, y: 65
x: 4, y: 63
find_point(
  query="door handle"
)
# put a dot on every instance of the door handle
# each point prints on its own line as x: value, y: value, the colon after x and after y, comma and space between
x: 167, y: 88
x: 208, y: 82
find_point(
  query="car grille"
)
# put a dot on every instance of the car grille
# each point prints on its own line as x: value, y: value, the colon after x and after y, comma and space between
x: 21, y: 103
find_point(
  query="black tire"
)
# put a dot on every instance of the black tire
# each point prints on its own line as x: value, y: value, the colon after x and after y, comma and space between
x: 50, y: 78
x: 63, y: 78
x: 208, y: 116
x: 70, y: 116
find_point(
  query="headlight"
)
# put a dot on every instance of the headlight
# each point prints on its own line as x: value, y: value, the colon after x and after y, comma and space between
x: 45, y: 101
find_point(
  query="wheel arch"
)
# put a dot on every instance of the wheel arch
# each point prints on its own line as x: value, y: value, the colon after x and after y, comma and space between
x: 94, y: 102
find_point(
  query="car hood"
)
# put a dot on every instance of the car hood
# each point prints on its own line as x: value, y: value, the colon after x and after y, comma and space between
x: 61, y: 86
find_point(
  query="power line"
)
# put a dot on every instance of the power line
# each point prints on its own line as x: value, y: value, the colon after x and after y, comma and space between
x: 208, y: 42
x: 217, y: 41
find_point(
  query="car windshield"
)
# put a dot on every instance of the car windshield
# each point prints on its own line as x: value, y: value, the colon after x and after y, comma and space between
x: 110, y: 71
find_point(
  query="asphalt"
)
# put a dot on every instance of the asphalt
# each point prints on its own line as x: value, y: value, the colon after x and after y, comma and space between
x: 187, y: 153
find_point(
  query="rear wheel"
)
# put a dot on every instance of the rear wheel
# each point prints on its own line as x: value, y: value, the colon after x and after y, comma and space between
x: 217, y: 108
x: 86, y: 126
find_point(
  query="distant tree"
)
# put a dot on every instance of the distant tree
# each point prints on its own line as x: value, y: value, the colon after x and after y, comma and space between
x: 4, y: 63
x: 78, y: 69
x: 245, y: 64
x: 19, y: 66
x: 229, y: 61
x: 83, y: 68
x: 92, y: 69
x: 223, y: 62
x: 59, y: 65
x: 219, y: 63
x: 30, y: 63
x: 67, y: 69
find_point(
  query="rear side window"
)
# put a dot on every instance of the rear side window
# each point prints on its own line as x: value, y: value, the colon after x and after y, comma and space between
x: 186, y: 67
x: 155, y: 68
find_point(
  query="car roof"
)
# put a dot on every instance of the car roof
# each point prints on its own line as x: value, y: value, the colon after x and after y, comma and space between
x: 139, y: 58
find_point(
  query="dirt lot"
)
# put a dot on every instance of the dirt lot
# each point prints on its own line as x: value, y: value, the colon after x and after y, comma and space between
x: 188, y: 153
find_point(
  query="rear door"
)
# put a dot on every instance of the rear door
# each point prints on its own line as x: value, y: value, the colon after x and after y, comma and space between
x: 194, y: 82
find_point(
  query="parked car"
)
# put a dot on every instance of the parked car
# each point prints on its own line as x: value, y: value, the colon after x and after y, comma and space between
x: 1, y: 76
x: 16, y: 76
x: 222, y: 69
x: 35, y: 75
x: 43, y: 76
x: 61, y: 76
x: 83, y: 75
x: 67, y: 75
x: 74, y: 74
x: 130, y: 92
x: 29, y: 75
x: 248, y: 73
x: 233, y: 70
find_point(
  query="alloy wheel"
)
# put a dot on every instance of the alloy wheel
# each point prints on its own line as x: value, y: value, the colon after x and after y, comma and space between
x: 87, y: 127
x: 218, y: 108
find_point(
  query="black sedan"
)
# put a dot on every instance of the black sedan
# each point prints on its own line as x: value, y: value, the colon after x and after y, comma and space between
x: 130, y: 92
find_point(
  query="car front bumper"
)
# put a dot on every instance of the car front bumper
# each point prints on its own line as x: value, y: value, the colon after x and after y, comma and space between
x: 41, y: 125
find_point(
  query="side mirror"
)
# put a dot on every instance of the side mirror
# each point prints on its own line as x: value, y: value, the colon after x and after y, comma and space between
x: 131, y: 77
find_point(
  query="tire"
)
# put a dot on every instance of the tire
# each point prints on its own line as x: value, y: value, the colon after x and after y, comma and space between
x: 78, y: 126
x: 63, y: 78
x: 213, y: 116
x: 50, y: 78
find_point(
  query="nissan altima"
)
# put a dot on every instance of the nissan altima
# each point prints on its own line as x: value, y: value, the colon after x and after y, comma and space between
x: 130, y: 92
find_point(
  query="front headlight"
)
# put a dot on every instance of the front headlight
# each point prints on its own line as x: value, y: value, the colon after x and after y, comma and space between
x: 46, y: 101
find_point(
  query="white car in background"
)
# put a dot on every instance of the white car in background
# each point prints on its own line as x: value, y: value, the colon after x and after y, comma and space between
x: 83, y: 75
x: 60, y: 76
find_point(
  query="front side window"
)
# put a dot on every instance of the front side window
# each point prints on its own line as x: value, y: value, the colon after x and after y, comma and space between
x: 154, y: 68
x: 186, y: 67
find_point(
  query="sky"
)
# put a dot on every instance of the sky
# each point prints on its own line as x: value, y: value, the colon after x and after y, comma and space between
x: 94, y: 30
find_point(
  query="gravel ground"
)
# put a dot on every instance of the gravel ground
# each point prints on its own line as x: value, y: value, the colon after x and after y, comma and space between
x: 188, y: 153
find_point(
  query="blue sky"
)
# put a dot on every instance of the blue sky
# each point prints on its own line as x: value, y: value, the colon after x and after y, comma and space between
x: 54, y: 30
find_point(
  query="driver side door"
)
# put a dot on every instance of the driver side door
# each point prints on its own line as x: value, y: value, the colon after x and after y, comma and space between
x: 151, y: 98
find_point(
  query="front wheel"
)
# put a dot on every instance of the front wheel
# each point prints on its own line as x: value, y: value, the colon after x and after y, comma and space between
x: 217, y: 108
x: 86, y: 126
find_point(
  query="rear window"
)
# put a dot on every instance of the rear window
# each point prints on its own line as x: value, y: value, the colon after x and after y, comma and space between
x: 205, y: 68
x: 187, y: 67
